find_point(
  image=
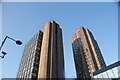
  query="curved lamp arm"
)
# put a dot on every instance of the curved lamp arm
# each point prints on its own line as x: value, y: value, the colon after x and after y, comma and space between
x: 17, y: 41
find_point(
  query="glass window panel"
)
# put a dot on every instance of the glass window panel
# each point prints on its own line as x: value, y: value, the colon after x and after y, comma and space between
x: 115, y: 71
x: 110, y: 73
x: 99, y: 76
x: 119, y: 69
x: 96, y: 79
x: 104, y: 74
x: 95, y: 76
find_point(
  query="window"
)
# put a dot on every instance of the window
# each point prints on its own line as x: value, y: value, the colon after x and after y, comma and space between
x: 115, y: 71
x: 104, y: 74
x: 99, y: 76
x: 33, y: 74
x: 86, y: 49
x: 96, y: 78
x: 110, y: 73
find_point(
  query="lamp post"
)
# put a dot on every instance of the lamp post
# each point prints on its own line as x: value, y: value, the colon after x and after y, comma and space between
x: 17, y: 42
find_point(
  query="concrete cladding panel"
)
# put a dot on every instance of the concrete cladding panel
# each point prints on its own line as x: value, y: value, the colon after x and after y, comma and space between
x: 44, y: 52
x: 52, y: 58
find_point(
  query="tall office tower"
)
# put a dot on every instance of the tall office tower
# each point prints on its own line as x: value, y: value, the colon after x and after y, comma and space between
x: 87, y: 55
x: 30, y: 60
x: 52, y: 57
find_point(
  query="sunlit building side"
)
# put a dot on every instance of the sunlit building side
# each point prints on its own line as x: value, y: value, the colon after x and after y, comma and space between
x: 87, y: 55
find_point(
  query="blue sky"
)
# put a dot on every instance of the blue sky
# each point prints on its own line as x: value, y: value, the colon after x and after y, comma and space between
x: 23, y: 20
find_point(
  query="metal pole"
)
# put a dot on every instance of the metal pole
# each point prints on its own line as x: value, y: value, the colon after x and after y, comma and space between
x: 3, y: 42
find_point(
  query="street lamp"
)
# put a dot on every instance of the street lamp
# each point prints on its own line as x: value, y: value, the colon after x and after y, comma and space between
x: 17, y: 42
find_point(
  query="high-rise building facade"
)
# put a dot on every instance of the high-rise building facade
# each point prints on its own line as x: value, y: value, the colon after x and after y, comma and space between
x: 43, y: 56
x: 87, y: 55
x: 52, y: 57
x: 31, y: 56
